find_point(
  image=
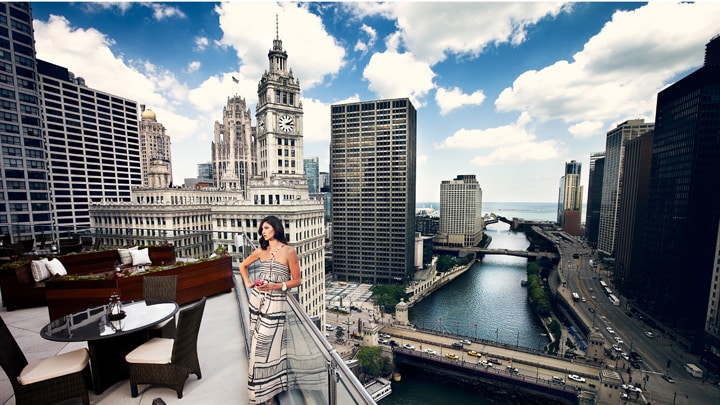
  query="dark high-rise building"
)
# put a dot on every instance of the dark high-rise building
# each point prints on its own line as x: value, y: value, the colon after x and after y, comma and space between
x: 372, y: 166
x: 94, y: 143
x: 631, y: 216
x: 25, y: 201
x: 681, y: 228
x: 595, y: 180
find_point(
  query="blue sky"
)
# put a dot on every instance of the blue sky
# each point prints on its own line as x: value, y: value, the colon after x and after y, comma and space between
x: 506, y: 91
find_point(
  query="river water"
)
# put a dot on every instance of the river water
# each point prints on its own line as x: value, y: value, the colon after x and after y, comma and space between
x: 486, y: 302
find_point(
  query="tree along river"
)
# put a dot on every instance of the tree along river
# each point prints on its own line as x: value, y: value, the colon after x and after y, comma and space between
x: 486, y: 302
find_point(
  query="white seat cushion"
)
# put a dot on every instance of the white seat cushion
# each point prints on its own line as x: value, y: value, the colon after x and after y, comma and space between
x: 155, y: 351
x: 125, y: 257
x: 52, y: 367
x: 39, y: 270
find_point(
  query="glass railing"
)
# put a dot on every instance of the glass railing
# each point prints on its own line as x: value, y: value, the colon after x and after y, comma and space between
x: 316, y: 372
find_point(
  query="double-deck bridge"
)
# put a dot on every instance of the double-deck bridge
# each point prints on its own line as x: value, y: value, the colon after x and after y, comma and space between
x: 508, y: 252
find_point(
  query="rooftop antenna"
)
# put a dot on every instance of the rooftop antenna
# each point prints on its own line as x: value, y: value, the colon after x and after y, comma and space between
x: 277, y: 29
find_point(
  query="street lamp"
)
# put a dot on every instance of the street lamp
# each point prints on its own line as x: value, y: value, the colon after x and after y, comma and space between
x: 475, y: 332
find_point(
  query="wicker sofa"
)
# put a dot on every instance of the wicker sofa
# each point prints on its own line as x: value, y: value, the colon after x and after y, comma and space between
x: 19, y: 289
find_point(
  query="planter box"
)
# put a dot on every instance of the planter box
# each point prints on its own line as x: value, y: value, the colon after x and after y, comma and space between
x: 195, y: 280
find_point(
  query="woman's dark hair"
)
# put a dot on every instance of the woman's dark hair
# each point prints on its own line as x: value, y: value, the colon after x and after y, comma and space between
x: 277, y: 226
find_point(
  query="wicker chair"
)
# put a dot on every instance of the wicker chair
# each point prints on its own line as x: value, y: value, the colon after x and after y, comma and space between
x: 46, y: 381
x: 169, y: 362
x: 156, y: 290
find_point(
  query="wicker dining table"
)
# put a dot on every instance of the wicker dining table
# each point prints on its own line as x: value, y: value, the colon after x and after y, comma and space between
x: 109, y: 340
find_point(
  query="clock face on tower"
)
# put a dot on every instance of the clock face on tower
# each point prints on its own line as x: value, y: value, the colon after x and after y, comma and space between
x: 286, y: 123
x: 261, y: 125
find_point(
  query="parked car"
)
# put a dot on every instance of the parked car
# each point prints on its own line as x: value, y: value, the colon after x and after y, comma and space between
x: 409, y: 346
x: 576, y: 377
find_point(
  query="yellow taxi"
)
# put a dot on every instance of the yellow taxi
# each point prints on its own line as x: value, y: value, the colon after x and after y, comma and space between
x: 452, y: 356
x: 473, y: 353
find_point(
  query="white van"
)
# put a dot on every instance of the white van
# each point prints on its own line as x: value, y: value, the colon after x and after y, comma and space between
x: 329, y: 327
x: 694, y: 370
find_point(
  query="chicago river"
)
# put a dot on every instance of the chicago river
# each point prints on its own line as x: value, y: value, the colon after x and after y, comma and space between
x: 488, y: 295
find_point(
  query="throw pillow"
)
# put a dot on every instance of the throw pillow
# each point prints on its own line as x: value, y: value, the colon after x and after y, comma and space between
x: 56, y: 268
x: 39, y: 270
x: 140, y: 256
x: 125, y: 257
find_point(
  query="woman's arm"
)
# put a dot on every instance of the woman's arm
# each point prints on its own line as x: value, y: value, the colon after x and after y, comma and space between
x: 255, y: 255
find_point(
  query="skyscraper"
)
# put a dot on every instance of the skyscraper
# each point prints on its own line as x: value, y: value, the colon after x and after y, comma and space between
x: 570, y: 199
x: 154, y: 143
x: 595, y: 181
x: 681, y: 227
x: 612, y: 187
x: 372, y: 165
x: 94, y: 146
x: 312, y: 174
x: 26, y: 206
x: 633, y: 203
x: 461, y: 222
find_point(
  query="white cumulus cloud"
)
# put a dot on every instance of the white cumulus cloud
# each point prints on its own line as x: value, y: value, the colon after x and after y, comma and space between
x: 451, y: 99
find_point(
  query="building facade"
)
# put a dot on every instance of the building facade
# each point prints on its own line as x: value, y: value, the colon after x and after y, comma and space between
x: 631, y: 219
x: 612, y: 187
x: 461, y: 220
x: 26, y: 206
x: 681, y: 226
x: 312, y: 174
x: 154, y: 145
x: 93, y: 143
x: 234, y: 152
x: 570, y: 199
x: 372, y: 166
x: 594, y: 199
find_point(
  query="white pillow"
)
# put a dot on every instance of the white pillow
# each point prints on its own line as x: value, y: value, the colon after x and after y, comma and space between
x: 140, y: 256
x: 39, y: 271
x: 125, y: 257
x: 56, y: 268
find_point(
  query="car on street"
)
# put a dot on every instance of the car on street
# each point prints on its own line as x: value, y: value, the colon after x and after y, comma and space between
x: 329, y: 327
x: 558, y: 380
x: 625, y: 356
x: 610, y: 330
x: 635, y: 364
x: 485, y: 363
x: 385, y: 335
x: 430, y: 351
x: 576, y: 377
x: 668, y: 379
x: 591, y: 309
x: 649, y: 334
x: 634, y: 389
x: 583, y: 299
x: 473, y: 353
x: 619, y: 340
x: 457, y: 345
x: 348, y: 322
x: 624, y: 395
x: 452, y: 356
x: 465, y: 342
x: 339, y: 327
x: 409, y: 346
x: 494, y: 360
x: 512, y: 370
x: 382, y: 341
x: 393, y: 343
x: 617, y: 348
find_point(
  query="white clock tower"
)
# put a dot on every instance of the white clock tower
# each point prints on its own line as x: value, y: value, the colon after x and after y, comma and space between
x: 279, y: 117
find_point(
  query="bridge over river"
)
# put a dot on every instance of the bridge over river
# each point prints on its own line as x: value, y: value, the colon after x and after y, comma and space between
x: 508, y: 252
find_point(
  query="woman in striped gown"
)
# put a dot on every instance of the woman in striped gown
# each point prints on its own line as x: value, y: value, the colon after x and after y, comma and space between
x: 279, y: 271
